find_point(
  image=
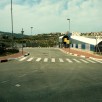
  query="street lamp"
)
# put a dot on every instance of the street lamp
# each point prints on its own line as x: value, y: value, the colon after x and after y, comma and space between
x: 31, y: 30
x: 69, y: 32
x: 31, y: 35
x: 12, y: 23
x: 69, y: 24
x: 22, y: 39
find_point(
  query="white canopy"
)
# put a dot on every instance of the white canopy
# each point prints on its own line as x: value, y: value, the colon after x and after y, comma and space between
x: 86, y: 40
x: 60, y: 38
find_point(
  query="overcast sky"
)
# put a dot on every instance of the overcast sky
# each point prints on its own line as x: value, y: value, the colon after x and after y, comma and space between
x: 47, y: 16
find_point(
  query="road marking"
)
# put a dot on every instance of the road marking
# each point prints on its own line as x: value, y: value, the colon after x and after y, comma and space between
x: 17, y: 85
x: 84, y: 61
x: 52, y: 59
x: 45, y: 59
x: 76, y: 61
x: 38, y: 59
x: 61, y: 60
x: 97, y: 61
x: 69, y: 60
x: 30, y: 59
x: 75, y: 54
x: 4, y: 81
x: 91, y: 61
x: 22, y: 75
x: 34, y: 71
x: 82, y: 56
x: 22, y: 58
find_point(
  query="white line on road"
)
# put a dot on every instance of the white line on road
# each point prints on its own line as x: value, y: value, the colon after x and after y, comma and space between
x: 61, y: 60
x: 76, y: 61
x: 30, y: 59
x: 4, y: 81
x: 69, y: 60
x: 45, y: 59
x: 22, y: 75
x: 75, y: 54
x: 17, y: 85
x: 91, y: 61
x: 38, y: 59
x: 82, y: 56
x: 52, y: 59
x: 34, y: 71
x: 84, y: 60
x: 22, y: 58
x: 97, y: 61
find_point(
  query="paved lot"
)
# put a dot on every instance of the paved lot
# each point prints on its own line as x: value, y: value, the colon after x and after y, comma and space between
x: 60, y: 60
x: 46, y: 81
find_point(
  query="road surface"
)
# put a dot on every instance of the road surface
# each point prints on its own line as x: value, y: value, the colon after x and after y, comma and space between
x: 49, y: 75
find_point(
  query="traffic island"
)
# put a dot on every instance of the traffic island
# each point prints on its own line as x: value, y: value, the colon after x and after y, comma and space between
x: 3, y: 60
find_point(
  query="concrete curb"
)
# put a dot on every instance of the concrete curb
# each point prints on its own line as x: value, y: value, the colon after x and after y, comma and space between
x: 10, y: 59
x: 73, y: 54
x: 3, y: 60
x: 95, y: 58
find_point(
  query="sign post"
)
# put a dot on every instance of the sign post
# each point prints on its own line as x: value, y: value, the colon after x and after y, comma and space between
x: 22, y: 40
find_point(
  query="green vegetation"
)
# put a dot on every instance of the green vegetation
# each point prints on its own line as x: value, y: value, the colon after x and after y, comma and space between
x: 9, y: 44
x: 43, y: 40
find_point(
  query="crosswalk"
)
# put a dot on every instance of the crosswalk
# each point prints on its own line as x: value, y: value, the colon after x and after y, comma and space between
x: 68, y: 60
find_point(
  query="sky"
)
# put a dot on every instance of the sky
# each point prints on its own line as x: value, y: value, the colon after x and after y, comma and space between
x: 46, y: 16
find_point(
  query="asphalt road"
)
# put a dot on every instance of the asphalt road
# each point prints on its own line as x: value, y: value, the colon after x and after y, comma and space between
x: 48, y: 76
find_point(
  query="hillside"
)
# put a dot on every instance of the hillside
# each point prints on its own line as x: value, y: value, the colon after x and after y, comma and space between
x: 16, y: 35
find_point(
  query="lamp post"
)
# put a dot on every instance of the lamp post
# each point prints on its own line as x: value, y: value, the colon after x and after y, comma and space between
x: 69, y: 32
x: 12, y: 24
x: 31, y: 35
x: 31, y: 30
x: 69, y: 24
x: 22, y: 40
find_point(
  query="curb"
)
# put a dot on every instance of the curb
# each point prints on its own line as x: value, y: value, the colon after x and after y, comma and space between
x: 80, y: 55
x: 4, y: 60
x: 10, y: 59
x: 95, y: 58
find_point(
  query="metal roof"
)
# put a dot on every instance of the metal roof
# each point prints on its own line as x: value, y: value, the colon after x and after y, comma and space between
x: 60, y: 38
x: 86, y: 40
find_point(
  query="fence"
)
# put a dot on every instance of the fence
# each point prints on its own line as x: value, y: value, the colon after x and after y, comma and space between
x: 83, y: 46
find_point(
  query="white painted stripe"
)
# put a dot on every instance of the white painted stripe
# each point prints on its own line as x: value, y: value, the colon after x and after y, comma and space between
x: 30, y: 59
x: 91, y: 61
x: 52, y: 59
x: 69, y: 60
x: 38, y: 59
x: 61, y: 60
x: 22, y: 58
x: 97, y: 61
x: 45, y: 59
x: 76, y: 61
x: 82, y: 56
x: 84, y: 60
x: 4, y: 81
x: 75, y: 54
x: 22, y: 75
x: 17, y: 85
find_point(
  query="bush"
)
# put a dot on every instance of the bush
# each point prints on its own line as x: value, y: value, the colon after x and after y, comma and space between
x: 14, y: 50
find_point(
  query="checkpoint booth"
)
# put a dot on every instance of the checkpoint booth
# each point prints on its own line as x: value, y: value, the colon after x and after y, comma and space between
x: 64, y: 41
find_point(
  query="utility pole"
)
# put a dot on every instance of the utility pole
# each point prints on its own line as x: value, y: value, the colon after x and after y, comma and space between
x: 69, y: 35
x: 31, y: 36
x: 31, y: 30
x: 12, y: 25
x: 69, y: 24
x: 22, y: 40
